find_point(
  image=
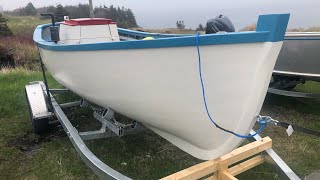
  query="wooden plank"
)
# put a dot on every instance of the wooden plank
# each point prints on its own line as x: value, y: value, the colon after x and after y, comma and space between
x: 246, y: 151
x: 213, y: 177
x: 227, y: 176
x: 195, y: 172
x: 223, y: 167
x: 246, y: 165
x: 220, y: 166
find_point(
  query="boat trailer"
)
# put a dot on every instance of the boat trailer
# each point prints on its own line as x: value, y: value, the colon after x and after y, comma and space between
x: 282, y: 83
x: 36, y: 95
x: 44, y: 109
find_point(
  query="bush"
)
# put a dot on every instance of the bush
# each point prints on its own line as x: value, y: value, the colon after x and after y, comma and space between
x: 6, y: 57
x: 200, y: 28
x: 180, y: 25
x: 18, y: 52
x: 4, y: 29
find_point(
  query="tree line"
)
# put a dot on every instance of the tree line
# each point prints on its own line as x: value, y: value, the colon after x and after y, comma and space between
x: 123, y: 16
x: 180, y: 25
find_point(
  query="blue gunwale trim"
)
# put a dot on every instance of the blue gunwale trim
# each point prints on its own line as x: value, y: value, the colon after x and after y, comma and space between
x: 270, y: 28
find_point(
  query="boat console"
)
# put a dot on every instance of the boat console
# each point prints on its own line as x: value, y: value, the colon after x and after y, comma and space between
x: 88, y: 30
x: 81, y: 31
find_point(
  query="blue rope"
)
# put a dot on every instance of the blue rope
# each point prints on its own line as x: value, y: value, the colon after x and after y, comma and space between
x: 261, y: 122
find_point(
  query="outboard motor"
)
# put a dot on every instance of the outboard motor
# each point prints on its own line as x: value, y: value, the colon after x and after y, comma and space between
x: 54, y: 30
x: 219, y: 23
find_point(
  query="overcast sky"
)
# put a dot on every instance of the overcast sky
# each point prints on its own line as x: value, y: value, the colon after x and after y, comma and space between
x: 164, y: 13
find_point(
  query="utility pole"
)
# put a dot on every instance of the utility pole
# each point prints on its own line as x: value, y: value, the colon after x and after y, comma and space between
x: 91, y: 9
x: 1, y: 9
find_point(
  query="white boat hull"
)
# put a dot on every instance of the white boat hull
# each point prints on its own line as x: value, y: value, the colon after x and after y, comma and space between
x: 160, y: 87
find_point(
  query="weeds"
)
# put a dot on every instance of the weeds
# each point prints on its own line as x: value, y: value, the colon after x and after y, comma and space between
x: 17, y: 51
x: 253, y: 27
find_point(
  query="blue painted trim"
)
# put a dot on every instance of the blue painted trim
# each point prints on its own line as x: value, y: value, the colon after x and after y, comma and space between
x: 276, y: 24
x: 270, y: 28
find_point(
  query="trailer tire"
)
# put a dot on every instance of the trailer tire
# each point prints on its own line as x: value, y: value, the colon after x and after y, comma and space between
x: 284, y: 82
x: 40, y: 125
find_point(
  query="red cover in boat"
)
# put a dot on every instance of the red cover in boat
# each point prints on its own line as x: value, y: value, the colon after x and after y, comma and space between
x: 88, y: 21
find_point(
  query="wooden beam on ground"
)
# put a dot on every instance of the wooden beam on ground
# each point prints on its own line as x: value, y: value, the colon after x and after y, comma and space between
x: 218, y: 169
x: 195, y: 172
x: 247, y: 151
x: 223, y: 173
x: 213, y: 177
x: 246, y: 165
x: 227, y: 176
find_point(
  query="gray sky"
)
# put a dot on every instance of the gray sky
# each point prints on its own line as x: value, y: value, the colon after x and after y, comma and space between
x: 164, y: 13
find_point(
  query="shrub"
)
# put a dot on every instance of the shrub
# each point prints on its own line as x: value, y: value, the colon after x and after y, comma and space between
x: 200, y: 28
x: 18, y: 52
x: 4, y: 29
x: 6, y: 57
x: 180, y: 25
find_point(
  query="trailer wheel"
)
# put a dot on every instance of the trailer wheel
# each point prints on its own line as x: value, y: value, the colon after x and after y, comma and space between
x: 290, y: 88
x: 40, y: 125
x: 284, y: 82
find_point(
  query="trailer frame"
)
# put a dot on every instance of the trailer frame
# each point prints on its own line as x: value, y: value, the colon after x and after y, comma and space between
x: 37, y: 98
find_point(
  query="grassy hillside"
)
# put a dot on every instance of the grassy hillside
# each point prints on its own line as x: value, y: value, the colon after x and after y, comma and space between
x: 24, y: 25
x: 252, y: 27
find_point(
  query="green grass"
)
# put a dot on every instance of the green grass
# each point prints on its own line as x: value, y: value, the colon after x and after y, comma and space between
x: 146, y: 155
x: 24, y: 25
x: 300, y: 151
x: 24, y: 155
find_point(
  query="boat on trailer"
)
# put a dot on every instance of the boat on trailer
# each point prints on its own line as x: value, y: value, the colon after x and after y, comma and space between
x: 298, y: 61
x: 157, y: 82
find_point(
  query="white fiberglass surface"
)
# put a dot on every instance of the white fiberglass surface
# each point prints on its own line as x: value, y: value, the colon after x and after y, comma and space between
x: 161, y: 88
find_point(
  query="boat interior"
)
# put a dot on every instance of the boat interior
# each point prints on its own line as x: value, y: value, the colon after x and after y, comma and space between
x: 69, y: 31
x: 124, y: 34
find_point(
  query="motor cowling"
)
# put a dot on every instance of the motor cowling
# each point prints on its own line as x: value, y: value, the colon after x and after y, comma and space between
x: 219, y: 23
